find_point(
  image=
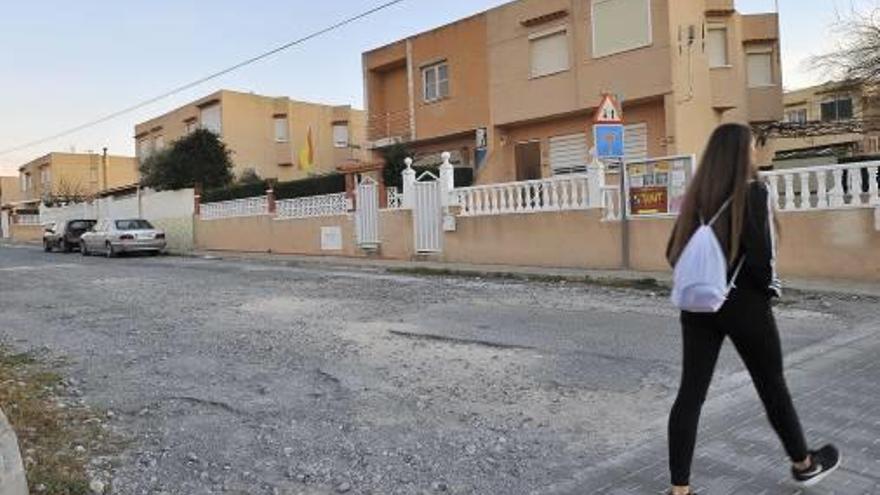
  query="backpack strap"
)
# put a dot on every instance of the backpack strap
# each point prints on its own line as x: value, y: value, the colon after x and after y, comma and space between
x: 719, y: 212
x: 732, y: 283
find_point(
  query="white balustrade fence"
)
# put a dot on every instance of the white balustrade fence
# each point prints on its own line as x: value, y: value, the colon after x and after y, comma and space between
x: 853, y: 185
x: 312, y: 206
x: 27, y: 219
x: 611, y: 203
x: 570, y: 192
x: 245, y: 207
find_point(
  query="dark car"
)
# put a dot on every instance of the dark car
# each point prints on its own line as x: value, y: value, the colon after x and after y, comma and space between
x: 65, y: 235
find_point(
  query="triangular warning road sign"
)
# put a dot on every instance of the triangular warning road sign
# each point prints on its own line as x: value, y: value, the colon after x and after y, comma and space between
x: 609, y: 111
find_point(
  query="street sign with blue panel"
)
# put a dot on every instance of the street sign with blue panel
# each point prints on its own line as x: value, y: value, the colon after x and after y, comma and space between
x: 609, y: 140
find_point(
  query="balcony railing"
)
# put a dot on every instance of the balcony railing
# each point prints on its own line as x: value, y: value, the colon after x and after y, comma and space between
x: 385, y: 125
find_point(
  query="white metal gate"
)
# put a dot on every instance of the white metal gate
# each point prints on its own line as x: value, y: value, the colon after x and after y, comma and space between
x: 428, y: 214
x: 4, y: 224
x: 367, y: 213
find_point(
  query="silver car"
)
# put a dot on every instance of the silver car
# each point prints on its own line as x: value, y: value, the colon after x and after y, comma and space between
x: 113, y: 237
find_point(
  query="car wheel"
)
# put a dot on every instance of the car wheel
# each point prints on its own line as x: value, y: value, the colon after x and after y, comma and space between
x: 110, y: 252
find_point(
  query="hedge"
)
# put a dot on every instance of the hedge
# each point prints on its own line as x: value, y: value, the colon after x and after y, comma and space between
x: 236, y: 191
x: 312, y: 186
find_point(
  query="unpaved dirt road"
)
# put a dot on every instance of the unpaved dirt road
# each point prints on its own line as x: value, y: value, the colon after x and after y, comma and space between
x: 240, y: 377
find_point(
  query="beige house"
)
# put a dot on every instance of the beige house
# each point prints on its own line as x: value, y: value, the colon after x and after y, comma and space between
x: 511, y: 91
x: 836, y: 107
x: 74, y: 174
x: 277, y: 137
x: 10, y: 190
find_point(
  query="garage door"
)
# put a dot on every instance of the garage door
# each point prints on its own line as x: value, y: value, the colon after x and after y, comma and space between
x: 635, y: 142
x: 568, y: 154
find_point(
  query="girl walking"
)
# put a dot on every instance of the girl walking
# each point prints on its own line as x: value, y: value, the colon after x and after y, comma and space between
x: 725, y: 191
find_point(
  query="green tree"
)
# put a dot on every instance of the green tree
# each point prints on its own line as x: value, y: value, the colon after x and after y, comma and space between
x: 198, y: 158
x: 394, y: 157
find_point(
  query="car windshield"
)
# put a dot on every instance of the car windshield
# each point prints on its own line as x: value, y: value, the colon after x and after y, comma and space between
x: 81, y: 225
x: 133, y: 225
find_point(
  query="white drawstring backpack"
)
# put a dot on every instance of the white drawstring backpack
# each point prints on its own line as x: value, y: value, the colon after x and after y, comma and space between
x: 700, y: 277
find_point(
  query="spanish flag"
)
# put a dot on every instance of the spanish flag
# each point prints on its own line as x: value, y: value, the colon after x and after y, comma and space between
x: 307, y: 154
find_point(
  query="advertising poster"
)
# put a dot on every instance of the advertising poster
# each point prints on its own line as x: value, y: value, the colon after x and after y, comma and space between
x: 657, y: 186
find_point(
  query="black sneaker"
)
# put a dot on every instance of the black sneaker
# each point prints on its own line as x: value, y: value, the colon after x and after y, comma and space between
x: 823, y: 462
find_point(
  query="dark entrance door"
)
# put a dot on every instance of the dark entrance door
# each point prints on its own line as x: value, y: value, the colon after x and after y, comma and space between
x: 528, y: 160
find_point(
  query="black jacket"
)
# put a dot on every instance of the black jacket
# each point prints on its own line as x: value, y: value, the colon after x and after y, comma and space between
x: 758, y: 243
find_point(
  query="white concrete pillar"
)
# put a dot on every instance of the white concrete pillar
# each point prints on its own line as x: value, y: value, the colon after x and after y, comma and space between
x: 447, y: 179
x: 409, y: 184
x: 596, y: 181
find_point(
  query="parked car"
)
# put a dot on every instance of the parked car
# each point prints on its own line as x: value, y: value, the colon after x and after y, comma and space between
x: 113, y: 237
x: 65, y: 235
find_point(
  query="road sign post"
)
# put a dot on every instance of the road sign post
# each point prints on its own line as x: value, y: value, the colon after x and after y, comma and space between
x: 609, y: 138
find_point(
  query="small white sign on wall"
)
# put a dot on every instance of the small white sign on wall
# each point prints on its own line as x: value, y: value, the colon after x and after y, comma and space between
x: 331, y: 238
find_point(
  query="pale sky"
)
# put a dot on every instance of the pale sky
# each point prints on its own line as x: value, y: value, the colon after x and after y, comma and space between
x: 64, y: 63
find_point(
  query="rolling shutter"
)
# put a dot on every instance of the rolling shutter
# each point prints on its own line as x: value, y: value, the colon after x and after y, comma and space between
x: 568, y: 154
x: 635, y: 142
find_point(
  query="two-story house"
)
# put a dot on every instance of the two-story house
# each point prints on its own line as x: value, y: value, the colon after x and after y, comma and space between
x: 276, y: 137
x: 840, y: 119
x: 74, y: 175
x: 511, y: 91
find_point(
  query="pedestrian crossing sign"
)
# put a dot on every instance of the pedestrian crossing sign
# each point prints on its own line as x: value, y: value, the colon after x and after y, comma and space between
x: 608, y: 111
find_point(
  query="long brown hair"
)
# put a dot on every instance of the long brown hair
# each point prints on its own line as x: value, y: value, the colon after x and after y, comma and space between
x: 724, y: 172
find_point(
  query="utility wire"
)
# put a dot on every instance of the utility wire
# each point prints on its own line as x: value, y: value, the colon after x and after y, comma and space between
x: 202, y: 80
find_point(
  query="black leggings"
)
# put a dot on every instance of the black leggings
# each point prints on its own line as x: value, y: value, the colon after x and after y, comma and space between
x: 747, y: 318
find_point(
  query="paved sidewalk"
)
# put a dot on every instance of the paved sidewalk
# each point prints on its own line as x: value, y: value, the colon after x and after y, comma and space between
x: 643, y: 278
x: 837, y: 393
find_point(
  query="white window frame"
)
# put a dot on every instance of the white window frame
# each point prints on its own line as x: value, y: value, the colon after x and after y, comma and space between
x: 768, y: 51
x: 719, y: 27
x: 799, y: 113
x: 282, y: 134
x: 435, y: 68
x: 546, y: 34
x: 338, y: 143
x: 596, y: 54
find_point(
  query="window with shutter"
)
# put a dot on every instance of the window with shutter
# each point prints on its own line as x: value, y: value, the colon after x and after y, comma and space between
x: 620, y: 25
x: 716, y: 46
x: 635, y: 142
x: 549, y: 53
x: 282, y: 129
x: 760, y: 69
x: 210, y: 118
x: 568, y: 154
x: 340, y: 135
